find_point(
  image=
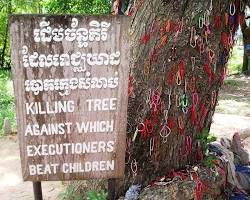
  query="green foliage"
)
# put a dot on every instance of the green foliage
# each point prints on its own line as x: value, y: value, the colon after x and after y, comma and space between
x: 8, y: 7
x: 93, y: 195
x: 72, y: 192
x: 236, y: 61
x: 7, y: 105
x: 204, y: 138
x: 93, y: 7
x: 76, y: 190
x: 26, y: 6
x: 208, y: 161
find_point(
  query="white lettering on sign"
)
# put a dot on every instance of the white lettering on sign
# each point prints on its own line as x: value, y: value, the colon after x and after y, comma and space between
x: 97, y: 31
x: 68, y: 168
x: 70, y: 148
x: 95, y: 127
x: 66, y: 85
x: 42, y: 108
x: 101, y: 104
x: 88, y: 167
x: 48, y: 129
x: 70, y: 76
x: 43, y: 169
x: 36, y: 60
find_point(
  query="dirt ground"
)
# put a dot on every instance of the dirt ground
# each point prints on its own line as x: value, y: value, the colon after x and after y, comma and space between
x: 232, y: 114
x: 233, y: 111
x: 12, y: 186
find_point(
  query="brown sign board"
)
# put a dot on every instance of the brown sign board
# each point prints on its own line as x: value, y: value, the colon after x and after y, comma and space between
x: 70, y: 80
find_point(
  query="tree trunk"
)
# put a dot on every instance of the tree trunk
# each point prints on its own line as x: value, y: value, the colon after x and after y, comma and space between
x: 6, y: 36
x: 246, y: 41
x: 172, y: 65
x: 4, y: 46
x: 245, y: 58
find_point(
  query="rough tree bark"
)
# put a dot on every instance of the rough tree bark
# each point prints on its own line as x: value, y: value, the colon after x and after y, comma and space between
x: 163, y: 62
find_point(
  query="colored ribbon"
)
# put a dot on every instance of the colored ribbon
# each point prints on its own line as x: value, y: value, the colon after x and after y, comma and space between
x: 170, y: 78
x: 226, y: 19
x: 224, y: 39
x: 171, y: 122
x: 145, y: 38
x: 203, y: 114
x: 195, y: 100
x: 189, y: 144
x: 168, y: 25
x: 217, y: 21
x: 182, y: 70
x: 209, y: 72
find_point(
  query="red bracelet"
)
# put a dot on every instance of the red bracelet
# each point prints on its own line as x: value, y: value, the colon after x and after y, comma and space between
x: 181, y: 124
x: 145, y: 38
x: 193, y: 115
x: 224, y: 39
x: 209, y: 72
x: 168, y: 25
x: 217, y: 21
x: 226, y: 19
x: 198, y: 189
x: 161, y: 31
x: 171, y: 122
x: 170, y: 78
x: 189, y: 144
x: 203, y: 114
x: 182, y: 70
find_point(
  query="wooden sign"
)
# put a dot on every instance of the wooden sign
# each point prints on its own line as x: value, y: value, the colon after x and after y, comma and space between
x: 70, y: 79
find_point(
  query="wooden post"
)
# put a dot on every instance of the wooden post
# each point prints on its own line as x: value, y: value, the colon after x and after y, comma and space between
x: 37, y: 189
x: 111, y: 189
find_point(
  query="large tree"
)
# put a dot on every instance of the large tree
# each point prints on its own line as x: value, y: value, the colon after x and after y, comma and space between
x: 246, y: 42
x: 179, y: 52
